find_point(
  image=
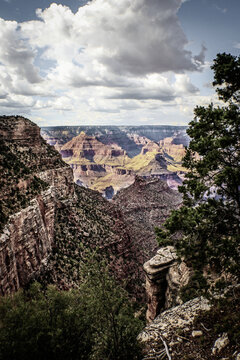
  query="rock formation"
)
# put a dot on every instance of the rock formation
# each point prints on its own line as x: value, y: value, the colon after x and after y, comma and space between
x: 33, y: 178
x: 26, y: 242
x: 162, y: 334
x: 47, y: 222
x: 96, y: 165
x: 20, y: 130
x: 164, y: 278
x: 129, y: 138
x: 197, y: 329
x: 173, y: 148
x: 111, y: 156
x: 89, y: 148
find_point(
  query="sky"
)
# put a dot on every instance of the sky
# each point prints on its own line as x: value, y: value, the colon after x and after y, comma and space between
x: 112, y: 62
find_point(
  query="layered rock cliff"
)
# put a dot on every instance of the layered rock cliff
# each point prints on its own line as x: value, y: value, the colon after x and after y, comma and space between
x: 89, y: 148
x: 171, y: 147
x: 95, y: 164
x: 33, y: 177
x: 129, y: 138
x: 47, y: 222
x: 114, y: 155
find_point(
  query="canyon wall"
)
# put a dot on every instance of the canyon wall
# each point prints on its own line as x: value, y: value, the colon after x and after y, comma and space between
x: 27, y: 238
x: 47, y: 223
x: 26, y: 242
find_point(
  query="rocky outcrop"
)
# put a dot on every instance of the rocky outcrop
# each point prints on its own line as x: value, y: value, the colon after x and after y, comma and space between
x: 156, y: 271
x: 173, y: 148
x: 26, y: 242
x: 198, y: 329
x: 164, y: 332
x: 164, y: 277
x: 60, y: 180
x: 17, y: 128
x: 150, y: 146
x: 88, y: 147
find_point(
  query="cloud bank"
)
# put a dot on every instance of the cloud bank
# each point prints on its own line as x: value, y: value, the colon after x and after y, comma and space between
x: 119, y: 54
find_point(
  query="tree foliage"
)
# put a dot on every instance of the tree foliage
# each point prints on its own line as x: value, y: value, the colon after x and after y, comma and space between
x: 95, y: 321
x: 206, y: 229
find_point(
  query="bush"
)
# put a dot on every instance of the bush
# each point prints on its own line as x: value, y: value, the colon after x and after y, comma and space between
x: 95, y: 321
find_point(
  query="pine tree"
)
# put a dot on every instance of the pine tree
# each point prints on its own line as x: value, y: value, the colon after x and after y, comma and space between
x: 206, y: 229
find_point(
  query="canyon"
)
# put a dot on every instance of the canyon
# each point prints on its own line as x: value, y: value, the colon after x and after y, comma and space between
x: 39, y: 197
x: 48, y: 222
x: 108, y: 159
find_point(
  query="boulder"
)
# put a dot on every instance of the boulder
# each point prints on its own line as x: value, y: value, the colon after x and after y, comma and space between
x: 220, y: 343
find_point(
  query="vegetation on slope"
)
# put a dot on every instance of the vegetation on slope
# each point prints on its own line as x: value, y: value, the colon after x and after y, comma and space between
x: 146, y: 204
x: 140, y: 161
x: 94, y: 322
x: 19, y: 165
x: 90, y: 223
x: 14, y: 170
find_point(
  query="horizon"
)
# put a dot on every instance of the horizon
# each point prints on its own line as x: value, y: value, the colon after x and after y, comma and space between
x: 118, y: 126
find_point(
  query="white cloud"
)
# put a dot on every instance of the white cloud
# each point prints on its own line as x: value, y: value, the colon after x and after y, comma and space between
x: 17, y: 102
x: 109, y: 56
x: 15, y: 54
x: 128, y: 37
x: 187, y: 104
x: 183, y: 85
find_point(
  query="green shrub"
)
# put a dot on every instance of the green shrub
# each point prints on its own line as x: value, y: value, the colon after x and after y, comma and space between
x: 93, y: 322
